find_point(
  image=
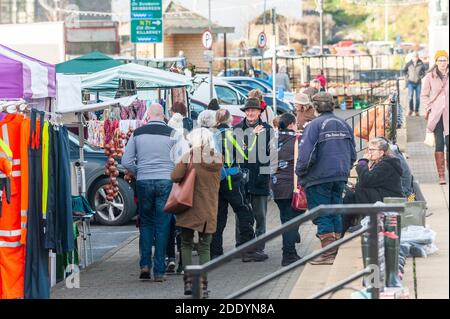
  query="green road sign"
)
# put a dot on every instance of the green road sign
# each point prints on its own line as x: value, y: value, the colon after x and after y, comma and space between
x: 146, y: 9
x: 147, y: 31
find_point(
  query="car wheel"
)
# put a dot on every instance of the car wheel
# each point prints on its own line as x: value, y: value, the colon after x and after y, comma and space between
x: 117, y: 212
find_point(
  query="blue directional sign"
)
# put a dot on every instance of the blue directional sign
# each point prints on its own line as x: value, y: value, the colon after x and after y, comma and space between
x: 146, y: 21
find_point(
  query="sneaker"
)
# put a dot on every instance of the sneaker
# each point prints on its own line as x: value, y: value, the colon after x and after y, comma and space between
x: 145, y: 273
x: 170, y: 269
x: 290, y: 259
x: 255, y: 256
x: 417, y: 114
x: 159, y: 278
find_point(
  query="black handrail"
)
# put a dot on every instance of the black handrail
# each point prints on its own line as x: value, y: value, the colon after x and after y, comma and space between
x: 196, y: 271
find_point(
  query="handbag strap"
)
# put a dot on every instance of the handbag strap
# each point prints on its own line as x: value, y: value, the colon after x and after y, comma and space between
x: 440, y: 91
x: 295, y: 163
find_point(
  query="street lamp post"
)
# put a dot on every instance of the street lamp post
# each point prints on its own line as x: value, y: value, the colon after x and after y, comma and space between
x: 320, y: 9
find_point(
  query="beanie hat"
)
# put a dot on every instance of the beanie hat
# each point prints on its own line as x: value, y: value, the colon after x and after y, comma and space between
x: 439, y: 54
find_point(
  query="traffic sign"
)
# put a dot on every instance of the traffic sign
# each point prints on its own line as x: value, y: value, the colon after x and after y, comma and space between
x: 207, y: 40
x: 146, y: 9
x: 262, y: 40
x: 146, y: 21
x: 147, y: 31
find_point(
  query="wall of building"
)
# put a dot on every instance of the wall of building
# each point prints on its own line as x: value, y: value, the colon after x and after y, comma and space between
x: 438, y: 28
x: 191, y: 44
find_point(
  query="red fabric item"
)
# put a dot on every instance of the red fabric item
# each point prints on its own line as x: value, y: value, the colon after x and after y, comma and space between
x: 263, y: 105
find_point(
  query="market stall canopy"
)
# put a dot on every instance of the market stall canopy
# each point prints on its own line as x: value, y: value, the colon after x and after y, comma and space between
x: 22, y: 76
x: 146, y: 78
x: 86, y: 64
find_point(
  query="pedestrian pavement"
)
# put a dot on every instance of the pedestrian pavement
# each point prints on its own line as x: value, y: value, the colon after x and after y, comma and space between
x: 116, y: 275
x: 430, y: 278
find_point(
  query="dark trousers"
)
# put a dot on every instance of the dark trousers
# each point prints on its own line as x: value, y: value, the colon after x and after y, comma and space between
x: 290, y: 237
x: 37, y: 283
x: 174, y: 240
x: 441, y: 141
x: 236, y: 198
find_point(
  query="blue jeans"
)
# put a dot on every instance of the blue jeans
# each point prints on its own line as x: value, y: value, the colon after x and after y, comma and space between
x: 154, y: 222
x: 413, y: 87
x: 326, y: 194
x: 290, y: 237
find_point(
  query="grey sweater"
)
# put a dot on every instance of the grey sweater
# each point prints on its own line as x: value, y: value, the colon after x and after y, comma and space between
x: 152, y: 151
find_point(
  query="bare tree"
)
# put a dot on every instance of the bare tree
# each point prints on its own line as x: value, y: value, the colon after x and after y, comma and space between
x: 54, y: 9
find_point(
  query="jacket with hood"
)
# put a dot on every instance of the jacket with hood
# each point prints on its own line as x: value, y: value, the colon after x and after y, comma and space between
x: 202, y: 216
x: 383, y: 180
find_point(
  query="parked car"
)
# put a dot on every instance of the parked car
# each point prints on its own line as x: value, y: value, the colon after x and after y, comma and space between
x: 239, y: 72
x: 251, y: 82
x: 115, y: 213
x: 315, y: 50
x: 228, y: 95
x: 282, y: 106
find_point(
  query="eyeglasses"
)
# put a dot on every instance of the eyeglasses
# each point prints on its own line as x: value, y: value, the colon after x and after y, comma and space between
x: 371, y: 150
x: 442, y: 60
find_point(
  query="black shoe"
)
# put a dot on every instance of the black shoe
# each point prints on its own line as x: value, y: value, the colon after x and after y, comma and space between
x: 255, y: 256
x: 170, y: 269
x: 290, y: 259
x: 145, y: 274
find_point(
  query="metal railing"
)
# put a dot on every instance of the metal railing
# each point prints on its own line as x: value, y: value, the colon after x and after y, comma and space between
x: 339, y: 70
x: 386, y: 99
x: 197, y: 271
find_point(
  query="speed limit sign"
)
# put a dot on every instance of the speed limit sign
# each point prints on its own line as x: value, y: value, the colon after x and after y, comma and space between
x: 262, y: 40
x: 207, y: 40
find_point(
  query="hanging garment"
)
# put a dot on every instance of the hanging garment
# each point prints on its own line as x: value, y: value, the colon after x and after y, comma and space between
x: 37, y: 282
x: 12, y: 223
x: 50, y: 225
x: 64, y: 219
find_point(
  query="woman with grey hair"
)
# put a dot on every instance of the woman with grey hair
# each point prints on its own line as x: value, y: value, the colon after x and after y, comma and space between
x: 206, y: 119
x: 379, y: 175
x: 202, y: 216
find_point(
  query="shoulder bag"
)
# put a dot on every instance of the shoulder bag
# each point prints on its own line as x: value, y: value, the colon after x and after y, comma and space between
x: 299, y: 202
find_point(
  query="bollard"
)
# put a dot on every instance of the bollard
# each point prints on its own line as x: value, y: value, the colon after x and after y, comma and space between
x: 196, y: 287
x: 392, y: 250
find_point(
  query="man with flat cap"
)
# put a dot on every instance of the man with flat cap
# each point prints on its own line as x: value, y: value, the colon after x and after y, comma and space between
x: 257, y: 139
x: 326, y: 155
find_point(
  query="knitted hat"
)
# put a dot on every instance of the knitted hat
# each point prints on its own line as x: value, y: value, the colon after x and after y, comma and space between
x: 440, y: 53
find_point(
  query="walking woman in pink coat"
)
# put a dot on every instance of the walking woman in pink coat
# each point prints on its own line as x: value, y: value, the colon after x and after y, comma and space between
x: 435, y: 99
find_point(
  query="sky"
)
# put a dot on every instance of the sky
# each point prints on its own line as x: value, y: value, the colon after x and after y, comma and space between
x: 234, y: 13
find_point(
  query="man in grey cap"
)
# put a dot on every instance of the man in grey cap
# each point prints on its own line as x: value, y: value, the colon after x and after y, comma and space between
x: 304, y: 110
x: 326, y: 155
x: 414, y: 72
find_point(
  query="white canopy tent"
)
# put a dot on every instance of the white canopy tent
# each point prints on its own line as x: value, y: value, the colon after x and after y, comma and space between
x: 106, y: 82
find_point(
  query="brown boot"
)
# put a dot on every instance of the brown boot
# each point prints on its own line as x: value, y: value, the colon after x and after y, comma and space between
x: 440, y: 164
x: 187, y: 285
x: 328, y: 257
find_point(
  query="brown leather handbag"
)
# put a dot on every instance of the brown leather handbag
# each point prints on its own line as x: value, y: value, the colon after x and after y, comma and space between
x: 181, y: 196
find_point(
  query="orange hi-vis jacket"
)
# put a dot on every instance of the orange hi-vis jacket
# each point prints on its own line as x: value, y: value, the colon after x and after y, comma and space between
x: 14, y: 132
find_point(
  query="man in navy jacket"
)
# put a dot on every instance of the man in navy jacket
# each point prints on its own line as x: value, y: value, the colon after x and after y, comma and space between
x: 326, y: 155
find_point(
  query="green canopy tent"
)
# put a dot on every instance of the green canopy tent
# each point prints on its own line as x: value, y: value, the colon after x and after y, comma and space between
x: 90, y: 63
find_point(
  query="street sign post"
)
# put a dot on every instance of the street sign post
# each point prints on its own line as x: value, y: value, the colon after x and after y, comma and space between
x: 146, y: 21
x: 207, y: 40
x: 262, y: 40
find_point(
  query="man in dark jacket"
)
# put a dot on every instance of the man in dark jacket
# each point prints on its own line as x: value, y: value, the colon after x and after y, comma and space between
x: 256, y: 138
x: 232, y: 190
x: 326, y: 155
x: 414, y: 72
